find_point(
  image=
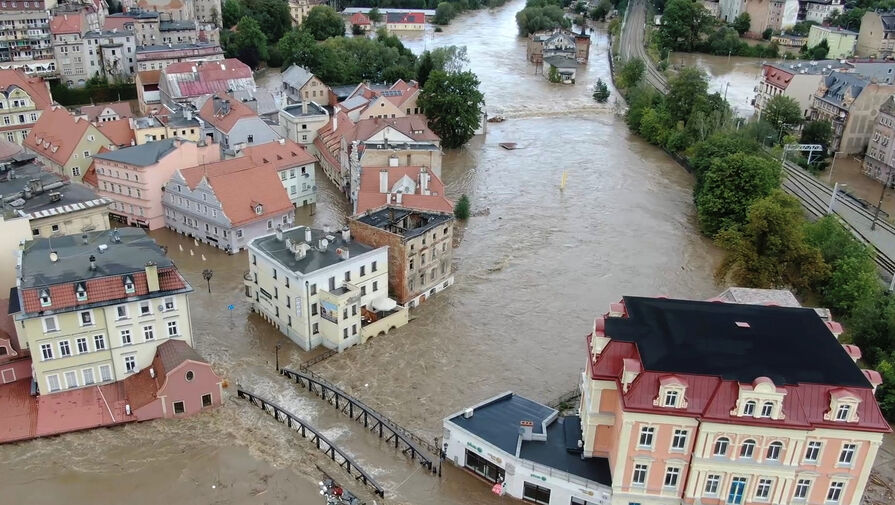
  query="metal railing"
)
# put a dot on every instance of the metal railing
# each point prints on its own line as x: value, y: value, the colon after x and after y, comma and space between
x: 305, y: 366
x: 322, y: 443
x: 568, y: 396
x: 373, y: 420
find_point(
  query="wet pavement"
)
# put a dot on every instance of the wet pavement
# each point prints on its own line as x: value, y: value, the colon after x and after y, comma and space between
x: 534, y: 268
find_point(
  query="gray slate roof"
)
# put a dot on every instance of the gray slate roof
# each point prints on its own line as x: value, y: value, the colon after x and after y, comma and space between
x: 838, y: 83
x: 128, y: 256
x: 312, y: 109
x: 142, y: 155
x: 561, y: 61
x: 74, y: 196
x: 406, y: 223
x: 297, y: 76
x: 888, y: 107
x: 170, y: 26
x: 314, y: 259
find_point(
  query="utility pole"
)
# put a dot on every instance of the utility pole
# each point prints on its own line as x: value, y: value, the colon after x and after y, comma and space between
x: 832, y: 166
x: 833, y: 197
x: 880, y: 202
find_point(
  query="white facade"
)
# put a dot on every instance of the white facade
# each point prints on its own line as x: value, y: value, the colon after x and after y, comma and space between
x: 818, y: 11
x: 563, y: 486
x: 291, y: 300
x: 730, y: 9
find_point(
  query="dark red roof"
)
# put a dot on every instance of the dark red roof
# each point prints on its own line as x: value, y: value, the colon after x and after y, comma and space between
x: 777, y: 77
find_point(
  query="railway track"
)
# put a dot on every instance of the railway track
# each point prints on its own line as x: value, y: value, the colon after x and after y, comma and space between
x: 632, y: 44
x: 800, y: 185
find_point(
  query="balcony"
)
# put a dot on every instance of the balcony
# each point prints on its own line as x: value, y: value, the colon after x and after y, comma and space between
x: 380, y: 317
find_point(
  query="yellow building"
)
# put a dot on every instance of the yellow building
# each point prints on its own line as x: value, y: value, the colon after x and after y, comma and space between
x: 842, y: 42
x: 299, y: 9
x: 22, y: 100
x: 92, y: 308
x: 151, y: 129
x: 64, y: 143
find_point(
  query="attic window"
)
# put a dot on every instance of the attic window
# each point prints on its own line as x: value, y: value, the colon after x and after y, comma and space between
x: 81, y: 292
x: 259, y: 209
x: 129, y: 287
x: 742, y: 324
x: 45, y: 300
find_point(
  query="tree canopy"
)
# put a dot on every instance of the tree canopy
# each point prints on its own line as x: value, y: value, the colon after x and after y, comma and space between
x: 742, y: 23
x: 249, y: 44
x: 631, y: 73
x: 782, y: 112
x: 323, y: 22
x: 730, y: 185
x: 817, y: 132
x: 683, y: 24
x: 453, y: 105
x: 533, y: 19
x: 769, y: 250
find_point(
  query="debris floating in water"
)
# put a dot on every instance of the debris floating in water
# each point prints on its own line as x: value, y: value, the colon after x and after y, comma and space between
x: 509, y: 146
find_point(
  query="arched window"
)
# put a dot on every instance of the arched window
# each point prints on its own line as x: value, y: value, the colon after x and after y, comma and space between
x: 747, y: 449
x: 774, y: 451
x: 721, y: 446
x: 767, y: 409
x: 749, y: 408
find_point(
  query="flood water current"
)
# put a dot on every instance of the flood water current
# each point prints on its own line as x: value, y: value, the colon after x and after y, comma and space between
x: 536, y: 264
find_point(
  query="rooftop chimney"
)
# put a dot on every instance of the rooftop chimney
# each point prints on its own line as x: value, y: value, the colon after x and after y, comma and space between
x: 279, y: 233
x: 398, y: 196
x: 346, y: 234
x: 308, y: 238
x: 300, y: 251
x: 343, y: 253
x: 116, y: 237
x: 322, y: 245
x: 92, y: 262
x: 525, y: 429
x: 383, y: 181
x: 84, y: 238
x: 152, y: 276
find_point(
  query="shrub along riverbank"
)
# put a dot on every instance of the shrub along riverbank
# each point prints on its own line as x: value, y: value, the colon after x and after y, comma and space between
x: 767, y: 240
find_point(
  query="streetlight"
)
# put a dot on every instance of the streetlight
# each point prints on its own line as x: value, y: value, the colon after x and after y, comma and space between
x: 836, y: 189
x: 832, y: 166
x: 880, y: 202
x: 277, y: 352
x: 207, y: 274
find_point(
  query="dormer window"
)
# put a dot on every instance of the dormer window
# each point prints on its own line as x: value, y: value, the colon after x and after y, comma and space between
x: 749, y: 408
x: 129, y: 287
x: 767, y: 409
x: 671, y: 393
x: 45, y: 300
x: 671, y: 398
x: 259, y: 209
x: 843, y: 412
x: 81, y: 292
x: 843, y: 406
x: 761, y: 399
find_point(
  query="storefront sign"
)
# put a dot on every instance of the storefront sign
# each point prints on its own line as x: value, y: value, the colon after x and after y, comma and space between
x: 477, y: 448
x: 588, y: 492
x: 495, y: 459
x: 536, y: 476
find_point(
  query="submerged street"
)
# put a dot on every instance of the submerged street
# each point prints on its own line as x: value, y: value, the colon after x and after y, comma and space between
x: 535, y: 266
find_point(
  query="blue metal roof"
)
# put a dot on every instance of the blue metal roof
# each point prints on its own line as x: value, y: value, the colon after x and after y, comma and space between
x: 497, y: 421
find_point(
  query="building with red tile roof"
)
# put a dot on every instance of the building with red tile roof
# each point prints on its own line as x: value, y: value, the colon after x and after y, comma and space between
x: 360, y: 19
x: 696, y: 400
x: 405, y: 21
x: 247, y: 199
x: 118, y: 131
x: 419, y: 189
x: 32, y: 95
x: 233, y: 124
x: 184, y: 81
x: 375, y: 101
x: 293, y: 164
x: 106, y: 111
x: 65, y: 143
x: 117, y: 279
x: 68, y: 24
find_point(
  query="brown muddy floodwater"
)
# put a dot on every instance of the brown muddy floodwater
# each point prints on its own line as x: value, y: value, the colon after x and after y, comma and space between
x: 534, y: 268
x: 742, y: 74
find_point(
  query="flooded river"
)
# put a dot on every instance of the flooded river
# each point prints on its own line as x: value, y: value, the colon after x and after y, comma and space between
x: 736, y: 76
x: 534, y: 268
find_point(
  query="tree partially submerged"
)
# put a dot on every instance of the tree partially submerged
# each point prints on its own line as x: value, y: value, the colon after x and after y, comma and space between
x: 453, y: 105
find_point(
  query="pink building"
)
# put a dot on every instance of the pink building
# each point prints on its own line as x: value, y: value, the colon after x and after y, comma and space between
x: 711, y: 402
x: 134, y: 176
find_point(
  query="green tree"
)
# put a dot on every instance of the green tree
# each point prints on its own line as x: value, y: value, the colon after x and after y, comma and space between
x: 580, y: 7
x: 742, y: 23
x: 802, y: 28
x: 357, y: 30
x: 461, y: 209
x: 817, y: 132
x: 683, y: 24
x: 299, y: 48
x: 444, y: 13
x: 323, y: 22
x: 715, y: 147
x: 654, y: 126
x: 232, y: 12
x: 424, y: 67
x: 600, y: 12
x: 375, y: 15
x: 553, y: 75
x: 533, y: 19
x: 766, y: 34
x: 631, y: 73
x: 453, y: 105
x: 872, y: 327
x: 449, y: 58
x: 685, y: 91
x: 249, y: 44
x: 885, y: 393
x: 769, y: 250
x: 730, y: 185
x: 853, y: 276
x: 601, y: 91
x: 272, y: 16
x: 640, y: 99
x: 819, y: 51
x: 783, y: 113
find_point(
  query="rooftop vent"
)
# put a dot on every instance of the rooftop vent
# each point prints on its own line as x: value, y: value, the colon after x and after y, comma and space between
x: 92, y: 262
x: 55, y: 196
x: 54, y: 256
x: 742, y: 324
x: 467, y: 413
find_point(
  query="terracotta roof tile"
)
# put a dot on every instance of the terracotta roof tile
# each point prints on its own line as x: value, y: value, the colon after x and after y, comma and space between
x: 225, y: 122
x: 140, y: 389
x: 149, y: 76
x: 408, y: 125
x: 36, y: 88
x: 92, y: 112
x: 369, y: 196
x: 360, y: 19
x: 67, y: 23
x: 282, y: 155
x: 56, y: 135
x: 239, y: 184
x: 103, y: 289
x: 171, y: 354
x: 118, y: 131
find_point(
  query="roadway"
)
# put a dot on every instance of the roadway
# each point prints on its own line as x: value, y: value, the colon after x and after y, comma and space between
x: 631, y: 44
